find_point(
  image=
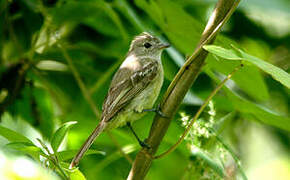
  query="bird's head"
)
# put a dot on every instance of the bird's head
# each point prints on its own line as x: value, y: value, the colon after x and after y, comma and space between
x: 147, y: 45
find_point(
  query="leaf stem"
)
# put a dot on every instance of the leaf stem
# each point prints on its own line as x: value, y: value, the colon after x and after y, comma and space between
x: 81, y: 84
x: 53, y: 159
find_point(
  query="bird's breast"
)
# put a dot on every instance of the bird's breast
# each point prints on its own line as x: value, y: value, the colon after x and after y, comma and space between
x: 144, y: 100
x: 147, y: 98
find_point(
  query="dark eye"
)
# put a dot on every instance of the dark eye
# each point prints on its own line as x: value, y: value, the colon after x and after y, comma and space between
x: 147, y: 45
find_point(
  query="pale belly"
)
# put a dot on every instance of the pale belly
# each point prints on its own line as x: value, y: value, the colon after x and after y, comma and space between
x: 144, y: 100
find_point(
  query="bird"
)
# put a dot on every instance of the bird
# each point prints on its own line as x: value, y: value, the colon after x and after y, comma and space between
x: 133, y: 89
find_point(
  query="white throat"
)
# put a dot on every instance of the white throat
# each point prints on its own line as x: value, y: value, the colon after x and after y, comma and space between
x: 156, y: 56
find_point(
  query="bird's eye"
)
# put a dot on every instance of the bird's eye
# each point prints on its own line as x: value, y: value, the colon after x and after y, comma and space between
x: 147, y: 45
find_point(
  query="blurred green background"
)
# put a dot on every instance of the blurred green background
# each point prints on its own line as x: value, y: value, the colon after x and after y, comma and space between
x: 49, y: 48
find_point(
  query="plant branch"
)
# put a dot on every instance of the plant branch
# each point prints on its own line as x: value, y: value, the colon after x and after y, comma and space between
x: 200, y: 110
x: 179, y: 86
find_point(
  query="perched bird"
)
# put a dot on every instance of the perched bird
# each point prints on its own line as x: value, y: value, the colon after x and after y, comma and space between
x: 133, y: 90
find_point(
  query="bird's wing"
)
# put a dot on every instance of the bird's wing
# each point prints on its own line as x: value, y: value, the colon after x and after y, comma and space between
x: 130, y: 85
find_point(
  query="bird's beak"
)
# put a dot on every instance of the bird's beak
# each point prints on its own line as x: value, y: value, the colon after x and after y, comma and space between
x: 163, y: 46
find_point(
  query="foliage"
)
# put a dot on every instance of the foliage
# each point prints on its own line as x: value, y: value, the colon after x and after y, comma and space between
x: 57, y: 59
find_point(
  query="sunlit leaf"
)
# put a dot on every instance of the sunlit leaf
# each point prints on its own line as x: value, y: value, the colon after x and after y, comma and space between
x: 177, y: 31
x: 27, y: 148
x: 13, y: 136
x: 59, y: 135
x: 224, y: 53
x: 76, y: 174
x: 254, y: 86
x: 277, y: 73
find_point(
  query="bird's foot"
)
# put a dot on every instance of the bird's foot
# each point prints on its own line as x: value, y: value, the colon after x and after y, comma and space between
x: 144, y: 145
x: 156, y: 110
x: 141, y: 143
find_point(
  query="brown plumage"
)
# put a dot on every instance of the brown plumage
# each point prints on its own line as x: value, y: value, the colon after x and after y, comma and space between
x: 134, y: 87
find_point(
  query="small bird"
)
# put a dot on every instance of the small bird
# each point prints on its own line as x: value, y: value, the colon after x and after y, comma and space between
x: 133, y: 90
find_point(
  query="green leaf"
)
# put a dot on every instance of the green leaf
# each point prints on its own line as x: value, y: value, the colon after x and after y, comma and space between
x: 27, y: 148
x: 69, y: 154
x: 177, y: 31
x: 67, y: 12
x: 262, y: 113
x: 277, y: 73
x: 76, y: 174
x: 254, y: 86
x: 59, y: 135
x: 224, y: 53
x: 99, y: 15
x: 258, y: 111
x: 107, y: 15
x: 13, y: 136
x: 175, y: 22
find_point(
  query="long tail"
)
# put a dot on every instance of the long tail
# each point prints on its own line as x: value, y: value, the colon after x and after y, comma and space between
x: 97, y: 131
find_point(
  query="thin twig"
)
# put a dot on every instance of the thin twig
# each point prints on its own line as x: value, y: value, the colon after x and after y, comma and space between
x: 80, y: 82
x: 53, y: 158
x: 200, y: 110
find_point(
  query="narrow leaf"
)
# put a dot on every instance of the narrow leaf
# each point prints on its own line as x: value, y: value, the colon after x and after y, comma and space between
x: 59, y: 135
x: 277, y: 73
x: 222, y: 52
x: 27, y: 148
x: 260, y: 112
x: 13, y: 136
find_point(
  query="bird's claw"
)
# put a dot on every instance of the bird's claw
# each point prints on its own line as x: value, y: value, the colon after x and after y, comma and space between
x: 159, y: 112
x: 156, y: 110
x: 144, y: 145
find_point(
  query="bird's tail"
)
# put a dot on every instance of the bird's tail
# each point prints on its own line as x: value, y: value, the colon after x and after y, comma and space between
x: 97, y: 131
